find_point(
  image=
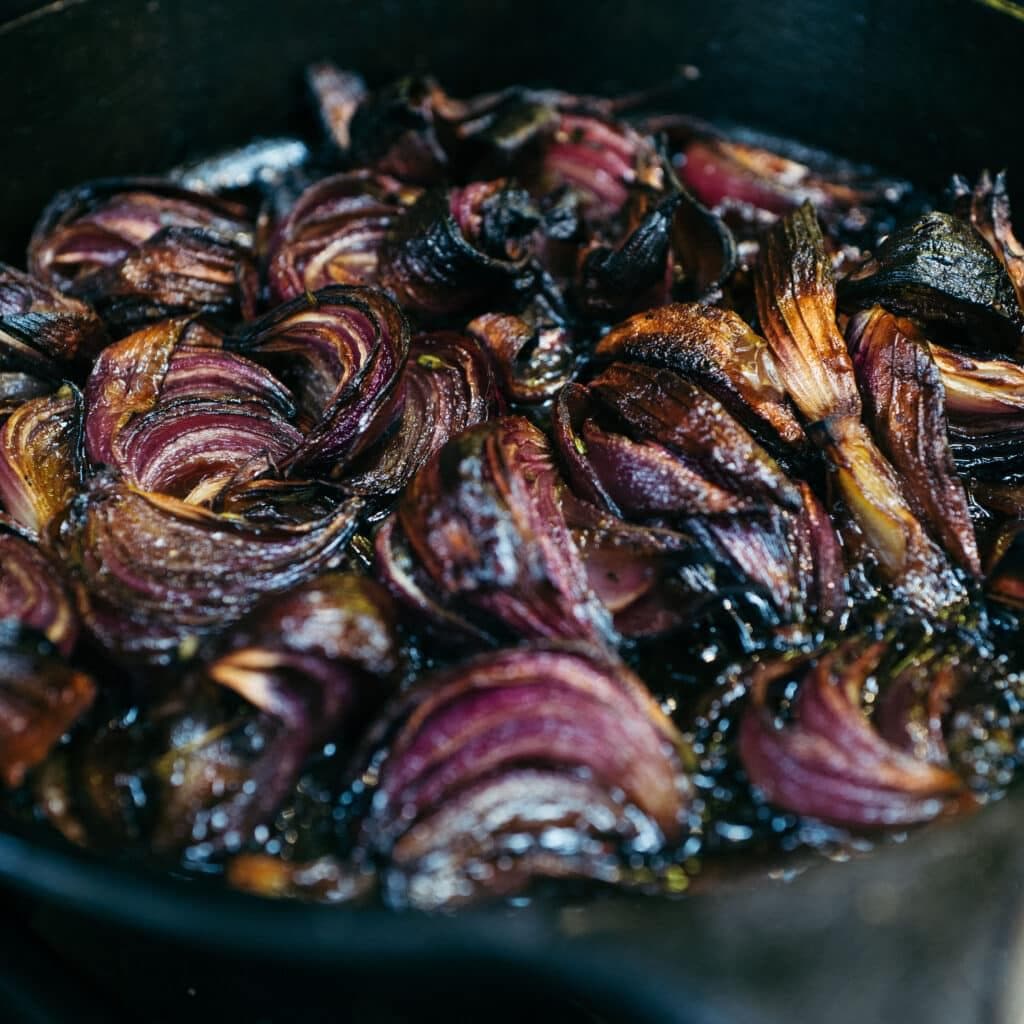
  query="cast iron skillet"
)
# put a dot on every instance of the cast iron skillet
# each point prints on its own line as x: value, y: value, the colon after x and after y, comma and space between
x: 925, y: 931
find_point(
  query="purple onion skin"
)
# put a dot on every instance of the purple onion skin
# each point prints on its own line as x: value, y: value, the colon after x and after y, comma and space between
x: 32, y: 593
x: 447, y: 386
x: 490, y: 760
x: 830, y: 763
x: 335, y: 232
x: 484, y: 520
x: 156, y: 575
x: 352, y: 343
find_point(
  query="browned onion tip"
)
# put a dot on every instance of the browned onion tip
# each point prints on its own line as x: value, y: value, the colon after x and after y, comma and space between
x: 980, y: 393
x: 458, y: 249
x: 447, y: 386
x: 142, y: 249
x: 41, y: 329
x: 41, y: 697
x: 41, y: 458
x: 797, y: 307
x: 829, y: 761
x: 347, y: 347
x: 988, y: 208
x: 905, y: 406
x: 534, y: 357
x: 156, y: 574
x: 716, y: 349
x: 33, y: 594
x: 796, y: 304
x: 484, y: 522
x: 540, y: 761
x: 338, y: 94
x: 335, y: 232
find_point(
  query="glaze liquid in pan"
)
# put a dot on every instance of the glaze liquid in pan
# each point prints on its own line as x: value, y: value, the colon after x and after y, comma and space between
x: 980, y: 153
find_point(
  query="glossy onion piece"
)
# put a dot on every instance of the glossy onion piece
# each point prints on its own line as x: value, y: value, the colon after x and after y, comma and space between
x: 17, y: 388
x: 796, y: 304
x: 171, y: 362
x: 338, y: 94
x: 347, y: 347
x: 33, y: 595
x: 989, y: 213
x: 176, y: 271
x: 904, y: 404
x: 661, y: 406
x: 265, y: 163
x: 797, y: 308
x: 41, y: 329
x: 335, y: 232
x: 456, y: 249
x: 156, y: 574
x: 716, y: 349
x: 40, y: 699
x: 97, y: 225
x: 726, y: 173
x: 193, y: 448
x: 829, y: 762
x: 939, y: 270
x: 533, y: 353
x: 601, y: 160
x: 447, y: 386
x: 537, y: 762
x: 636, y: 273
x: 980, y: 390
x: 41, y: 458
x: 485, y: 522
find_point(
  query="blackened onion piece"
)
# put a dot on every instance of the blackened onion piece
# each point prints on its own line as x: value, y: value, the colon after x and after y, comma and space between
x: 716, y: 349
x: 636, y: 273
x: 156, y: 574
x: 797, y: 308
x: 447, y: 386
x: 41, y: 697
x: 176, y: 271
x: 981, y: 392
x: 940, y: 271
x: 523, y: 764
x: 830, y: 763
x: 796, y: 304
x: 335, y: 232
x: 904, y: 402
x: 53, y: 327
x: 95, y: 226
x: 989, y: 212
x: 346, y: 347
x: 485, y: 521
x: 601, y: 159
x: 41, y: 458
x: 338, y: 94
x: 533, y: 352
x: 192, y: 448
x: 661, y: 406
x: 457, y: 249
x: 33, y: 594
